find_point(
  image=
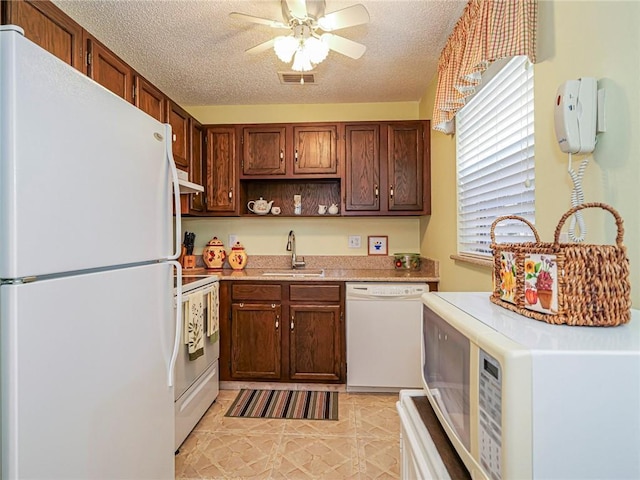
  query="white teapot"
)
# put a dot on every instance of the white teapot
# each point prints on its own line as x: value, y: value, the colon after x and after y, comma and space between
x: 333, y: 209
x: 261, y: 206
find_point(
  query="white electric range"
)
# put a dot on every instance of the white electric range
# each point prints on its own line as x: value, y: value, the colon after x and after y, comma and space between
x: 196, y: 380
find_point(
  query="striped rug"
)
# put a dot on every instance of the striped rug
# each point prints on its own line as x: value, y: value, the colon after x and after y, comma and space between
x: 285, y: 404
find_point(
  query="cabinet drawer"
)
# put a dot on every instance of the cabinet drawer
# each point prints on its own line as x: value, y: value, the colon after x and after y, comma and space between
x: 314, y: 293
x: 255, y: 291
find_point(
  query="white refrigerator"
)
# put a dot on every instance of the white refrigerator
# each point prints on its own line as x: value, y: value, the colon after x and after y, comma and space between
x: 87, y: 331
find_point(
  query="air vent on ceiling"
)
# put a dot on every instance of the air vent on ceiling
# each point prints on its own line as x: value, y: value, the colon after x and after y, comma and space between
x: 296, y: 78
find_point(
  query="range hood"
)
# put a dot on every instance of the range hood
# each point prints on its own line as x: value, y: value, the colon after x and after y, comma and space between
x: 186, y: 186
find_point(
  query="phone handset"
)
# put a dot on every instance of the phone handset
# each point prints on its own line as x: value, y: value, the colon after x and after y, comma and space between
x: 575, y: 115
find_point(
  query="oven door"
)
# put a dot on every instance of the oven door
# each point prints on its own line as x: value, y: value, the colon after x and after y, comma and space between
x: 425, y: 450
x: 188, y: 371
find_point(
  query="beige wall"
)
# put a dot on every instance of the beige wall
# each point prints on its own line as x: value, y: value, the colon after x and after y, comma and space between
x: 314, y: 236
x: 575, y: 39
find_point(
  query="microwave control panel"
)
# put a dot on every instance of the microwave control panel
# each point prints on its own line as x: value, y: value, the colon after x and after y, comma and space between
x: 490, y: 418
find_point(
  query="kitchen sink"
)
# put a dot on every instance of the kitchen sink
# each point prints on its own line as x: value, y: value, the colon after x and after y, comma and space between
x: 294, y: 273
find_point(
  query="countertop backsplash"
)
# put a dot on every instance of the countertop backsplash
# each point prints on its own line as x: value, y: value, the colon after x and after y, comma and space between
x: 428, y: 267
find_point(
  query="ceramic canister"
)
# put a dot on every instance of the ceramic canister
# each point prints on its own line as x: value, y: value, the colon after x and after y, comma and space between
x: 237, y: 257
x: 213, y: 254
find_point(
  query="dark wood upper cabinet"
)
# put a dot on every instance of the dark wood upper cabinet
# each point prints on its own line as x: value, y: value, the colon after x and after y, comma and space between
x: 196, y: 169
x: 149, y: 99
x: 405, y: 166
x: 221, y: 170
x: 108, y: 70
x: 263, y: 150
x: 48, y: 26
x: 315, y: 149
x: 178, y: 118
x: 362, y: 179
x: 387, y: 168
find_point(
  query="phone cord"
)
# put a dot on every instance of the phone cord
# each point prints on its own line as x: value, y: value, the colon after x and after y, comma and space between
x: 577, y: 198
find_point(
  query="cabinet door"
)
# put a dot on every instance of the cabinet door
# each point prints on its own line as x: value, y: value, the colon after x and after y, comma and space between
x: 263, y: 150
x: 48, y: 26
x: 314, y: 342
x: 220, y: 170
x: 362, y: 151
x: 196, y: 169
x: 405, y: 166
x: 179, y: 121
x: 255, y: 341
x: 149, y: 99
x: 315, y: 149
x: 108, y: 70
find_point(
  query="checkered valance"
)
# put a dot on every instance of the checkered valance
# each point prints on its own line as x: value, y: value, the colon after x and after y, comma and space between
x: 487, y: 31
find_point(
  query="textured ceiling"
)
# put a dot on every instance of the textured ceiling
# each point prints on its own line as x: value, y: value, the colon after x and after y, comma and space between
x: 195, y: 53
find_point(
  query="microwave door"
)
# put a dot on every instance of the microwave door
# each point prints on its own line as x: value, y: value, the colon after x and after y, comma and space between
x: 446, y: 372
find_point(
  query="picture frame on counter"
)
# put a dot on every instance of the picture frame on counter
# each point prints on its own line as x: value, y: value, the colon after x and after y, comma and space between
x: 377, y: 245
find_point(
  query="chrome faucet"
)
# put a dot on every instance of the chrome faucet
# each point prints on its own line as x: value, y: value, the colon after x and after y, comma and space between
x: 291, y: 247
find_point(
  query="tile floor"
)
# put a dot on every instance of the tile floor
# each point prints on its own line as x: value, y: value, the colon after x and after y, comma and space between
x: 363, y: 444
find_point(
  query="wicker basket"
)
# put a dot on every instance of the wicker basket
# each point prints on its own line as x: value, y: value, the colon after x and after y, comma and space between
x: 589, y: 284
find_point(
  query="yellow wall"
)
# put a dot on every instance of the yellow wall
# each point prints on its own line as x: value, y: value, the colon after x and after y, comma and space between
x: 329, y: 112
x: 575, y: 39
x: 314, y: 236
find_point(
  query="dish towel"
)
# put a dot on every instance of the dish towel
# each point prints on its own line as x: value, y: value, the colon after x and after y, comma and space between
x: 213, y: 318
x: 194, y: 328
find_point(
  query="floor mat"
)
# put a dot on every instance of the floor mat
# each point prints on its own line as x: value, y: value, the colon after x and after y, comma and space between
x: 298, y: 404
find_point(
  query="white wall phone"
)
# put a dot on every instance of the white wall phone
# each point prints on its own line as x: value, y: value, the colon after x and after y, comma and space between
x: 575, y: 115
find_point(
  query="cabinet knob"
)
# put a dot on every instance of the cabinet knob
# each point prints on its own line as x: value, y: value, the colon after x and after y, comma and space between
x: 292, y: 324
x: 175, y: 137
x: 241, y: 305
x: 230, y: 193
x: 375, y: 187
x: 391, y: 191
x: 296, y: 155
x: 277, y: 321
x: 281, y: 155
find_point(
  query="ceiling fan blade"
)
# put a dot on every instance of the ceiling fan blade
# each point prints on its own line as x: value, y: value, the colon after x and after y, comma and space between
x: 343, y: 45
x: 297, y: 8
x: 261, y: 47
x: 347, y: 17
x: 259, y: 20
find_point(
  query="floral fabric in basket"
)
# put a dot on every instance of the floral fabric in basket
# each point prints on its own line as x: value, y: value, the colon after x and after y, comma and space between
x: 541, y: 283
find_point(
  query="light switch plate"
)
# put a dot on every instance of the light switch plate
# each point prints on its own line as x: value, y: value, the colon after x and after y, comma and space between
x: 354, y: 241
x: 233, y: 238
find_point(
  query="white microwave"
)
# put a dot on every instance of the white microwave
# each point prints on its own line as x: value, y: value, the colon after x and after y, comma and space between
x: 522, y: 399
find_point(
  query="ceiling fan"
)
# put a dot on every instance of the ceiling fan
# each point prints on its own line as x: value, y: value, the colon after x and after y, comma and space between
x: 310, y: 37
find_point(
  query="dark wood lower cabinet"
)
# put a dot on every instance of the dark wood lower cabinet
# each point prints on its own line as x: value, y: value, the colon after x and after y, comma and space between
x: 255, y: 340
x: 314, y: 342
x: 282, y: 331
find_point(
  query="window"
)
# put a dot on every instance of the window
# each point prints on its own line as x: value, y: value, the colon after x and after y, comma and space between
x: 495, y: 162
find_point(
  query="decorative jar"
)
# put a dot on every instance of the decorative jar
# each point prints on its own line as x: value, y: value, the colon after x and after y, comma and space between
x: 214, y: 254
x: 237, y: 257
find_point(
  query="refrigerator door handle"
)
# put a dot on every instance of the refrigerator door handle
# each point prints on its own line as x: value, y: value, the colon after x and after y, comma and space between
x: 176, y: 192
x: 178, y: 319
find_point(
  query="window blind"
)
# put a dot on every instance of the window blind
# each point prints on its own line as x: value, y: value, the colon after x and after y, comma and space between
x: 495, y: 160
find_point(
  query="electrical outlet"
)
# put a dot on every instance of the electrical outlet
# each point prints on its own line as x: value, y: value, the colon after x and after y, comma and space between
x: 233, y: 238
x: 354, y: 241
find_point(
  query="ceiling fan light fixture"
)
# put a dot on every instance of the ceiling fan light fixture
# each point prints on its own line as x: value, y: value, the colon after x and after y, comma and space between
x: 285, y: 47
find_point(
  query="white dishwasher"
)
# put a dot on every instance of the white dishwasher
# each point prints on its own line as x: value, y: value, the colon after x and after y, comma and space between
x: 384, y: 322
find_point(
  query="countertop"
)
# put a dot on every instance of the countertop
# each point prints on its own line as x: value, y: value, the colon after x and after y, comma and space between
x: 336, y: 268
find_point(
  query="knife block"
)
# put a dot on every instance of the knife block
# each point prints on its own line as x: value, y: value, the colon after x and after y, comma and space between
x: 188, y: 262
